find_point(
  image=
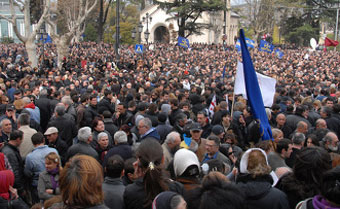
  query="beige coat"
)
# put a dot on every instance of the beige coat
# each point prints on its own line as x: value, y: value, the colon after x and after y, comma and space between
x: 26, y: 145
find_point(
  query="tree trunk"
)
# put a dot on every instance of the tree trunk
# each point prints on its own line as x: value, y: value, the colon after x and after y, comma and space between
x: 31, y: 52
x: 100, y: 31
x: 62, y: 45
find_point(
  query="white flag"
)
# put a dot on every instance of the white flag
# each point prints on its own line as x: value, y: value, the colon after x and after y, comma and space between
x: 212, y: 106
x: 267, y: 86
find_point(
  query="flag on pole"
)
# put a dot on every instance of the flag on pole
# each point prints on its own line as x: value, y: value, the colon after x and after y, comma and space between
x: 212, y: 106
x: 330, y: 42
x: 183, y: 42
x: 266, y: 47
x: 267, y: 86
x: 254, y: 92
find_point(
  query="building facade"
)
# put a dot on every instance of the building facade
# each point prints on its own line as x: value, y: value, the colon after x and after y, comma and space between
x: 162, y: 29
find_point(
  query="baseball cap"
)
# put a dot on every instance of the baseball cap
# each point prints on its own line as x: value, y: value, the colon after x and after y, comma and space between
x: 195, y: 127
x: 51, y: 130
x: 217, y: 129
x: 10, y: 107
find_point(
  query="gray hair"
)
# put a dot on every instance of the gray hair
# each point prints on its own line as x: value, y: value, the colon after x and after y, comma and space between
x: 66, y: 100
x: 60, y: 110
x: 43, y: 92
x: 328, y: 137
x: 24, y: 119
x: 120, y: 137
x: 102, y: 134
x: 84, y: 134
x: 298, y: 138
x: 26, y: 100
x: 2, y: 122
x: 170, y: 138
x: 147, y: 122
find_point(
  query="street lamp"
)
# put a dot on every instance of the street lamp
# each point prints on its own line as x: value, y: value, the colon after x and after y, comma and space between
x: 133, y: 33
x: 147, y: 19
x: 146, y: 35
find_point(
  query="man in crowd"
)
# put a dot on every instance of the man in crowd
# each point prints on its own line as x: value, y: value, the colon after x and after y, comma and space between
x: 35, y: 163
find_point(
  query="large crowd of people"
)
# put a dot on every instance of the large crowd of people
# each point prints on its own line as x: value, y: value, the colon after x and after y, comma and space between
x: 136, y: 132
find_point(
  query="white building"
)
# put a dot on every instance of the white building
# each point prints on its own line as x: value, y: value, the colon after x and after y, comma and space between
x: 163, y: 30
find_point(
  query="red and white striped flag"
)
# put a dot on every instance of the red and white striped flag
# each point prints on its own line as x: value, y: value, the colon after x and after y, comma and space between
x: 212, y: 106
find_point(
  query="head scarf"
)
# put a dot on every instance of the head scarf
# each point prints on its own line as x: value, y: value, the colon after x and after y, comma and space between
x: 244, y: 163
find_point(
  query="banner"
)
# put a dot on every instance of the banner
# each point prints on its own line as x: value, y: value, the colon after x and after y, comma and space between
x: 279, y: 53
x: 250, y: 44
x: 183, y: 42
x: 266, y: 47
x: 254, y: 92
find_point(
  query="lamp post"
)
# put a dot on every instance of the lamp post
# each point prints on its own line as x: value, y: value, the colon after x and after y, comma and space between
x: 147, y: 19
x: 42, y: 36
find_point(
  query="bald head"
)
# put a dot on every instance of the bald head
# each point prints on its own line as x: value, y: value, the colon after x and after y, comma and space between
x: 302, y: 127
x: 280, y: 119
x: 320, y: 124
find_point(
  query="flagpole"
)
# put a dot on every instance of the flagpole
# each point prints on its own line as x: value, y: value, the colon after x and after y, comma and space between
x: 232, y: 105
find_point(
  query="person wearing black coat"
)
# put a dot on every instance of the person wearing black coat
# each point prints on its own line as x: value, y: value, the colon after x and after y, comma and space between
x: 105, y: 103
x: 108, y: 123
x: 122, y: 116
x: 163, y: 129
x: 55, y: 142
x: 91, y: 111
x: 256, y: 182
x: 66, y: 128
x: 83, y: 147
x: 45, y: 109
x: 12, y: 153
x: 332, y: 122
x: 121, y: 148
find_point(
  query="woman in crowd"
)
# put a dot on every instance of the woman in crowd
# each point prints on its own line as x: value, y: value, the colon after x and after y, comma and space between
x: 48, y: 184
x: 305, y: 180
x: 330, y: 192
x: 255, y: 181
x: 81, y: 184
x: 151, y: 179
x: 216, y: 192
x: 102, y: 146
x: 98, y: 127
x: 169, y: 200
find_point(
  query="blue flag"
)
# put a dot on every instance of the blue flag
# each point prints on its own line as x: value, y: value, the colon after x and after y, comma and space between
x: 250, y: 44
x: 48, y: 39
x: 183, y: 42
x: 279, y: 53
x: 254, y: 92
x: 266, y: 47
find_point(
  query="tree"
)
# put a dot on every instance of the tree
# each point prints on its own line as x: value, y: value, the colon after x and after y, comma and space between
x: 29, y: 38
x: 103, y: 12
x: 128, y: 20
x: 259, y: 15
x: 74, y: 17
x: 186, y: 13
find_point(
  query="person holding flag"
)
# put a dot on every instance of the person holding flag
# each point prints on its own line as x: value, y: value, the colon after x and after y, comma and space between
x: 253, y: 92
